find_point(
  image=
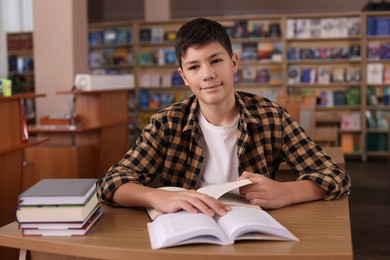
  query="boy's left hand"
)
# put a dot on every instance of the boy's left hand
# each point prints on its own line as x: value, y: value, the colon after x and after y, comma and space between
x: 264, y: 191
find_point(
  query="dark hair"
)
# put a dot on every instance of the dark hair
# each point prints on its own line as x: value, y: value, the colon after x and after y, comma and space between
x: 198, y: 32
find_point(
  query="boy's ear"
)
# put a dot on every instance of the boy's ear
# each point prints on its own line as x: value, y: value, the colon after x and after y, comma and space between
x: 182, y: 76
x: 235, y: 62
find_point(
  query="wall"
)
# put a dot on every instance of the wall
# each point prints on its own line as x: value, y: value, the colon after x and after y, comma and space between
x: 245, y: 7
x: 121, y: 10
x: 60, y: 51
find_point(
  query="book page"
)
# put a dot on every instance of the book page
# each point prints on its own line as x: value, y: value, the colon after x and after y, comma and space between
x: 234, y: 198
x: 184, y: 228
x: 241, y: 222
x: 217, y: 190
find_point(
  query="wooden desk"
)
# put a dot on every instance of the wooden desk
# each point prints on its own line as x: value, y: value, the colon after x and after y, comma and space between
x: 323, y: 228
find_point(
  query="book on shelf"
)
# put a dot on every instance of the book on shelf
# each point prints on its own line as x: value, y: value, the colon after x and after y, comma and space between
x: 263, y: 76
x: 239, y: 223
x: 145, y: 35
x: 157, y: 34
x: 339, y: 97
x: 351, y: 121
x: 249, y: 51
x: 382, y: 26
x: 352, y: 96
x: 110, y: 35
x: 386, y: 96
x: 315, y: 28
x: 265, y: 50
x: 326, y: 98
x: 352, y: 74
x: 95, y: 38
x: 257, y: 29
x: 303, y: 28
x: 371, y: 25
x: 249, y: 74
x: 58, y: 192
x: 309, y: 75
x: 294, y: 75
x: 373, y: 50
x: 224, y: 192
x: 62, y: 228
x: 338, y: 74
x: 124, y: 36
x: 240, y: 29
x: 375, y: 73
x: 323, y: 75
x: 350, y: 143
x: 385, y: 50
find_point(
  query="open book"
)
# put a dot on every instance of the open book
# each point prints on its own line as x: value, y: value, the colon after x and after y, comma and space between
x: 240, y: 223
x: 227, y: 193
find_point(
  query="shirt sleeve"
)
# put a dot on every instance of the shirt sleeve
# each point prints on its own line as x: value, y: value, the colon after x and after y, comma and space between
x: 139, y: 165
x: 311, y: 161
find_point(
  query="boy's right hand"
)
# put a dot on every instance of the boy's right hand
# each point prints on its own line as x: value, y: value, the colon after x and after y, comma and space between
x: 188, y: 200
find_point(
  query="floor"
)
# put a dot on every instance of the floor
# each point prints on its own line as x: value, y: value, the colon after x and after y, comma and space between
x: 370, y: 209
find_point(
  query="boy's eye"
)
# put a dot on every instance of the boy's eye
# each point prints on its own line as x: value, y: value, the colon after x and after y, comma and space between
x: 216, y: 61
x: 193, y: 67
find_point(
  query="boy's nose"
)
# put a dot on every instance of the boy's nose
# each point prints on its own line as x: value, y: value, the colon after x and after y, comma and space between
x: 208, y: 73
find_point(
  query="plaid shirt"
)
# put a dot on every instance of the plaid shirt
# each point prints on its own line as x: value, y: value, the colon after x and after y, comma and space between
x: 169, y: 147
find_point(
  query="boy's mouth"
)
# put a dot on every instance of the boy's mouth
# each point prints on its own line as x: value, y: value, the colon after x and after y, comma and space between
x: 211, y: 87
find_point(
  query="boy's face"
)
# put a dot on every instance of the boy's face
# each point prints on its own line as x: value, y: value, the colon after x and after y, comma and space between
x: 208, y: 70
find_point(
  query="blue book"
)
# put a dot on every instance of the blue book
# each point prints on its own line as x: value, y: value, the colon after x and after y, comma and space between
x: 382, y: 26
x: 371, y: 25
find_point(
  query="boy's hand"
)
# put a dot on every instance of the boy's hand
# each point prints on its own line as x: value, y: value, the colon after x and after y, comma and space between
x: 191, y: 201
x: 264, y: 192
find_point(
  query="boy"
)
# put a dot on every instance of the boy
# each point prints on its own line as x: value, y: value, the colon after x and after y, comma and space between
x: 219, y: 135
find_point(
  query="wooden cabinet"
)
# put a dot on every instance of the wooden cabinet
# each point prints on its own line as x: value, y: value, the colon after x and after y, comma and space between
x: 13, y: 166
x: 86, y: 150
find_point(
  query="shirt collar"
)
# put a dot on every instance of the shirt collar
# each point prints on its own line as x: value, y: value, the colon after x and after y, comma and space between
x: 247, y: 115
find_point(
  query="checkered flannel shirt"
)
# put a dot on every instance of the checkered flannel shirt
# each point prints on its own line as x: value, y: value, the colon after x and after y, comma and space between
x: 169, y: 147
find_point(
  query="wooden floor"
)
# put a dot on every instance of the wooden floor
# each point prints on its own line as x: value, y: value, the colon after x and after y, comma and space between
x: 370, y: 209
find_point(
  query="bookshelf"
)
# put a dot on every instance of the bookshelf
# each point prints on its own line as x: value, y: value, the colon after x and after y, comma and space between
x: 332, y: 64
x: 111, y: 48
x: 324, y: 57
x: 21, y: 68
x: 377, y: 81
x: 159, y: 84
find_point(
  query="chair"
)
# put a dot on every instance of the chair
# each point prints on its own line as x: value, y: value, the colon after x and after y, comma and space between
x: 302, y: 108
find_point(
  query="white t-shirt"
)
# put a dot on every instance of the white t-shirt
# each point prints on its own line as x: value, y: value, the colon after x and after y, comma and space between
x: 220, y: 147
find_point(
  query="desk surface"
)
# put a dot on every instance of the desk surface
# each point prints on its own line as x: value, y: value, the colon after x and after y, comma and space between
x: 323, y: 228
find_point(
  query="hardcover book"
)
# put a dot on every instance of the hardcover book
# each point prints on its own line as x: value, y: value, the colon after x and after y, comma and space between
x: 58, y: 192
x: 57, y: 212
x: 64, y: 229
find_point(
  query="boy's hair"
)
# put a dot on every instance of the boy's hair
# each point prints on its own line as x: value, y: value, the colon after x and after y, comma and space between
x: 198, y: 32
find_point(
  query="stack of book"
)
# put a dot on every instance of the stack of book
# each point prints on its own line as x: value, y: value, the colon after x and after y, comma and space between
x: 59, y: 207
